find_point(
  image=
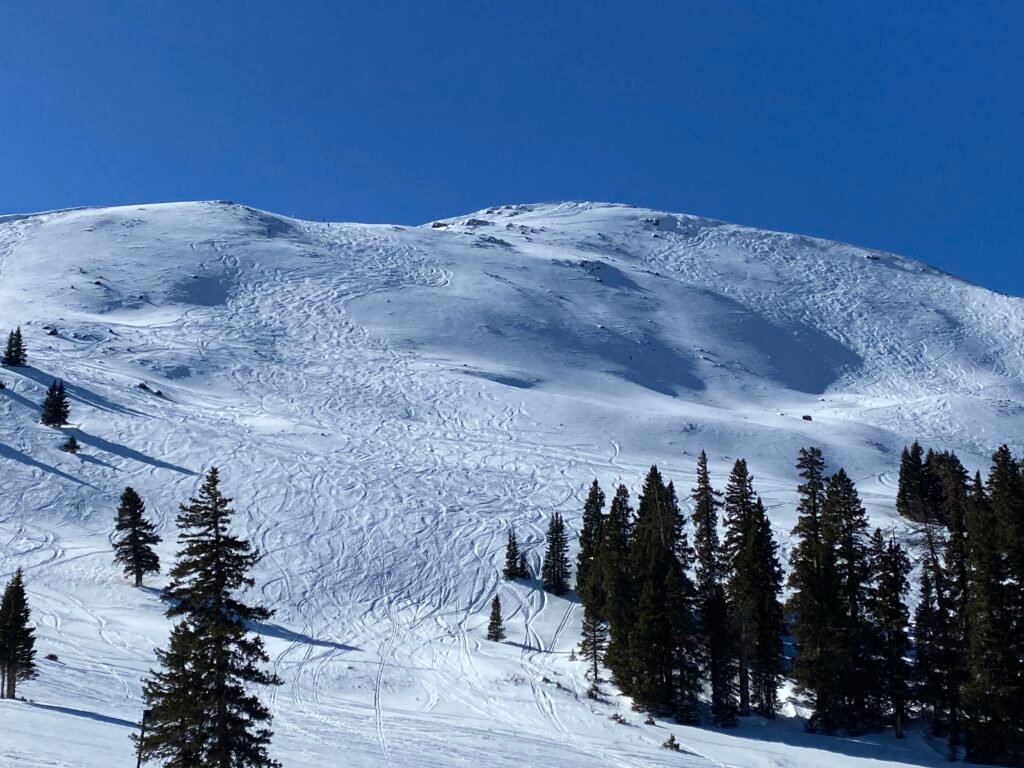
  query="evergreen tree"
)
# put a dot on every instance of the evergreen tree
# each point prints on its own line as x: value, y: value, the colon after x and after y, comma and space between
x: 590, y: 540
x: 891, y: 621
x: 56, y: 408
x: 844, y: 526
x: 719, y: 654
x: 663, y: 659
x: 202, y: 712
x: 15, y: 354
x: 495, y: 627
x: 993, y: 688
x: 71, y: 445
x: 134, y: 538
x: 594, y: 641
x: 511, y: 570
x: 555, y: 568
x: 766, y: 580
x: 17, y: 638
x: 928, y: 649
x: 617, y: 585
x: 753, y: 587
x: 910, y: 493
x: 815, y: 597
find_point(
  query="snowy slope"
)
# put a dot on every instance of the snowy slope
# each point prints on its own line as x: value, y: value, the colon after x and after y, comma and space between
x: 384, y: 402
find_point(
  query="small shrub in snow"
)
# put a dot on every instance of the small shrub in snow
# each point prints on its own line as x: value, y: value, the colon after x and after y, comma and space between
x: 671, y: 743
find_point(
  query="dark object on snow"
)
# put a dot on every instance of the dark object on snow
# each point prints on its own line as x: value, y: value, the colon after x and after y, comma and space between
x: 51, y: 332
x: 71, y: 445
x: 15, y: 354
x: 805, y: 417
x: 671, y: 743
x: 134, y: 538
x: 51, y: 657
x: 495, y: 628
x: 56, y: 408
x: 143, y: 385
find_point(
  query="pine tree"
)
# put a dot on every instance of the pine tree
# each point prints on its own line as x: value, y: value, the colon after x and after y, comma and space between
x: 844, y: 527
x: 719, y: 653
x: 71, y: 445
x: 495, y: 627
x: 594, y: 641
x: 992, y: 689
x: 56, y: 408
x: 17, y: 638
x: 202, y: 712
x: 815, y: 597
x: 590, y: 540
x: 135, y: 537
x: 511, y: 571
x: 617, y: 584
x: 662, y: 645
x: 555, y: 568
x: 891, y: 620
x: 15, y: 354
x: 740, y: 530
x: 910, y: 493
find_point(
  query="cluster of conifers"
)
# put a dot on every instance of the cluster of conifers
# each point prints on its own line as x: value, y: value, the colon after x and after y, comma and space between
x: 675, y: 622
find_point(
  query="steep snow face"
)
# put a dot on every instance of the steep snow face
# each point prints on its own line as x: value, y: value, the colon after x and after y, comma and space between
x: 385, y: 402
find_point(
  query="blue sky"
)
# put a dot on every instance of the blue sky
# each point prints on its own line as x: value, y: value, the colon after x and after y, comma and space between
x: 893, y: 125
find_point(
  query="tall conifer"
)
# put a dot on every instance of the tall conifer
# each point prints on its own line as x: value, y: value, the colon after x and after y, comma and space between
x: 202, y: 710
x: 719, y: 654
x: 17, y: 638
x: 15, y: 354
x: 590, y: 540
x: 56, y: 408
x: 135, y: 537
x: 555, y: 568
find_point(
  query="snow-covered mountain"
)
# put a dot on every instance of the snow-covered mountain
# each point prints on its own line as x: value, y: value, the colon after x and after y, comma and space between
x: 384, y: 402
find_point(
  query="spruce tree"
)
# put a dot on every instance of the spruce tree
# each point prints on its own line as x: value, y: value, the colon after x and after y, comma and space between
x: 891, y: 621
x: 56, y: 408
x: 594, y: 640
x: 202, y: 711
x: 617, y: 585
x: 15, y: 354
x: 511, y: 571
x: 134, y: 538
x: 741, y: 529
x: 844, y: 526
x: 555, y: 568
x: 992, y: 688
x: 17, y: 638
x: 911, y: 493
x: 590, y: 540
x: 814, y: 598
x: 495, y: 627
x: 662, y: 645
x: 719, y: 653
x: 927, y: 685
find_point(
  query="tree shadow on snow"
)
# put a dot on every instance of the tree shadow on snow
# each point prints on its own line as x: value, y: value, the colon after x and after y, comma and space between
x: 76, y: 392
x: 86, y: 714
x: 125, y: 452
x: 289, y: 635
x: 910, y: 750
x: 6, y: 452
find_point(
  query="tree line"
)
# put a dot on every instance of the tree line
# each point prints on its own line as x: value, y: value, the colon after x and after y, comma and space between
x: 677, y: 621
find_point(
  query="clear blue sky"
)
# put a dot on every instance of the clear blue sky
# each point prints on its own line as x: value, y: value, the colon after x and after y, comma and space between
x: 898, y: 125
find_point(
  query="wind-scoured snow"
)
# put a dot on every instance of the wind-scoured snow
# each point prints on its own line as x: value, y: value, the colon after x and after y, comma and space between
x: 385, y: 402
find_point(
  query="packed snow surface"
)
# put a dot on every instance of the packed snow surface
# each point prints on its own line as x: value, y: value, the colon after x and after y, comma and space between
x: 386, y: 402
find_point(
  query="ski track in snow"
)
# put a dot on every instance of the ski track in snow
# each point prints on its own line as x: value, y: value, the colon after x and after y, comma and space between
x: 385, y: 402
